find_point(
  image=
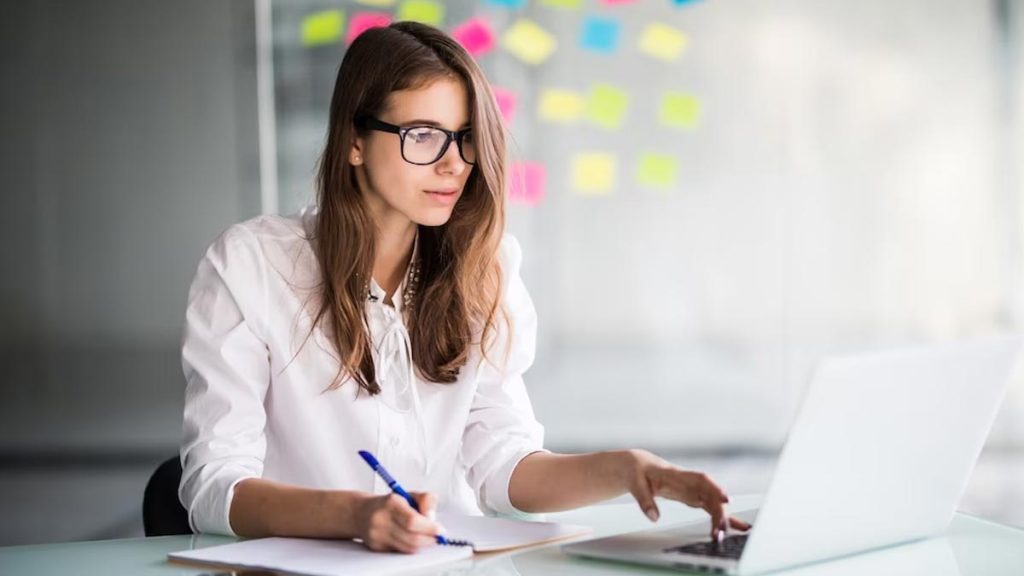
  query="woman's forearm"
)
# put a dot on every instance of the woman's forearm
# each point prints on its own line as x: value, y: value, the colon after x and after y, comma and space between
x: 545, y: 482
x: 265, y: 508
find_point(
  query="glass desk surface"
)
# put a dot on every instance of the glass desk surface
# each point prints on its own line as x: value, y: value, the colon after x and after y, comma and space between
x: 972, y: 546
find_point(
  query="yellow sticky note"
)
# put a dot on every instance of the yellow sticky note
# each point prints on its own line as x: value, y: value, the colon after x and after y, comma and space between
x: 679, y: 110
x: 323, y: 27
x: 424, y: 11
x: 593, y: 173
x: 607, y: 106
x: 560, y: 106
x: 376, y: 3
x: 529, y: 42
x: 663, y: 41
x: 657, y: 170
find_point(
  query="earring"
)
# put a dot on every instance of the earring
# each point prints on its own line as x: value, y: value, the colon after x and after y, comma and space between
x: 359, y: 158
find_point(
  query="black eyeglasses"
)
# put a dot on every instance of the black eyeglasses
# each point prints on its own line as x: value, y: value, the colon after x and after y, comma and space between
x: 423, y: 145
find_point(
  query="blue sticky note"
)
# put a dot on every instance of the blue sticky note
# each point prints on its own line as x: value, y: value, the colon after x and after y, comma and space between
x: 600, y: 34
x: 507, y: 3
x: 683, y: 2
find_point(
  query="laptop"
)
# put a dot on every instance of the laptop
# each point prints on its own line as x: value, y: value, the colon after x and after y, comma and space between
x: 879, y: 454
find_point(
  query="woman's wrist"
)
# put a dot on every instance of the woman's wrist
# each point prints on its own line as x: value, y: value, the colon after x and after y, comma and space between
x: 344, y: 511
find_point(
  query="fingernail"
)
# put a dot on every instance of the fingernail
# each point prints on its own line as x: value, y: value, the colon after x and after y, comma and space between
x: 652, y: 513
x: 720, y: 535
x: 432, y: 514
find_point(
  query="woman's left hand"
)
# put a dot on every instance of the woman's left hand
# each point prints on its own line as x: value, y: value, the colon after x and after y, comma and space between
x: 647, y: 476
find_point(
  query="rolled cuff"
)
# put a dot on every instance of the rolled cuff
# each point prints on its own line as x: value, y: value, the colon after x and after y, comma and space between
x: 210, y: 509
x: 494, y: 497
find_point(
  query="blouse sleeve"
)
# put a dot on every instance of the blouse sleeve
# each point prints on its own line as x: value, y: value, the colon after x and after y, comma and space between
x: 227, y: 372
x: 501, y: 429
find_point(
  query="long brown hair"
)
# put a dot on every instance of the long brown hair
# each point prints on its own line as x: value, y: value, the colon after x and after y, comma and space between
x: 458, y: 297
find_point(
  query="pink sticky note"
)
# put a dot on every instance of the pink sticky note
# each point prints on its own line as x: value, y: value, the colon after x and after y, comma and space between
x: 528, y: 183
x: 364, y: 21
x: 475, y: 35
x: 506, y: 103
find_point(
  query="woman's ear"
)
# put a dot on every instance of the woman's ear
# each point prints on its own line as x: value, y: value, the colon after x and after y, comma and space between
x: 355, y: 155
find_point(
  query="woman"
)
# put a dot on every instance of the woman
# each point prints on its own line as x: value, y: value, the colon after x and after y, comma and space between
x: 393, y: 319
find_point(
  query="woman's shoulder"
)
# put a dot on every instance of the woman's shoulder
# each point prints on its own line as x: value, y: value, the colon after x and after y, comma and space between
x: 510, y: 253
x: 271, y: 243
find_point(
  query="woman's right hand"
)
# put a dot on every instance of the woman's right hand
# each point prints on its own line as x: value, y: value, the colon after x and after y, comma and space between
x: 389, y: 523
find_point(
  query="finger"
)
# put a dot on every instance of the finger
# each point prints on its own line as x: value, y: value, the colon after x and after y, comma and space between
x: 404, y: 516
x: 714, y: 503
x: 427, y: 501
x: 645, y: 498
x: 738, y: 524
x: 411, y: 542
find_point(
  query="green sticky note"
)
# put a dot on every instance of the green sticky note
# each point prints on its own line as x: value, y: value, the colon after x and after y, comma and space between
x: 323, y: 27
x: 563, y: 4
x: 607, y: 106
x: 424, y: 11
x: 529, y: 42
x: 657, y: 170
x: 679, y: 110
x: 593, y: 173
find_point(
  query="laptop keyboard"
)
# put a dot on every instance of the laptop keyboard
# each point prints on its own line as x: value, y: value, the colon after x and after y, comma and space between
x: 730, y: 547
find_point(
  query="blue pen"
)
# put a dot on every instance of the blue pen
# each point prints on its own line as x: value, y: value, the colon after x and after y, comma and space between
x: 397, y: 489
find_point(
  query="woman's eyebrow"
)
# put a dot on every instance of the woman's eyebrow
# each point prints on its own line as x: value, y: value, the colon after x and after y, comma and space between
x: 425, y: 122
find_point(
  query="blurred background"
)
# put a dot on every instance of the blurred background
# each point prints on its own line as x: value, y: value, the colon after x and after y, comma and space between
x: 710, y: 195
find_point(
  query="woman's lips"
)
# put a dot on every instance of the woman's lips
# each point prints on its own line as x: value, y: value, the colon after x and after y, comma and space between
x: 444, y: 196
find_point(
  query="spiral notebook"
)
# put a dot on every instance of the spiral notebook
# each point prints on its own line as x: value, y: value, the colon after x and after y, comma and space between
x: 314, y: 557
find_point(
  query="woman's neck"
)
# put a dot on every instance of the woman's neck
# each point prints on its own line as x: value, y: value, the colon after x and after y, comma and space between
x: 394, y: 250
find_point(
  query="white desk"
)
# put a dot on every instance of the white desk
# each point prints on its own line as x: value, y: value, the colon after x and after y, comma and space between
x: 971, y: 547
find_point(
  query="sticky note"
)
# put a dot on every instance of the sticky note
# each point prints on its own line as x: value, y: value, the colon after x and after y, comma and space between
x: 475, y: 35
x: 507, y: 3
x: 376, y: 3
x: 679, y: 110
x: 563, y: 4
x: 600, y: 35
x: 606, y: 106
x: 562, y: 106
x: 321, y: 28
x: 425, y: 11
x: 364, y: 21
x: 527, y: 183
x: 507, y: 102
x: 663, y: 42
x: 657, y: 170
x: 683, y: 2
x: 529, y: 42
x: 593, y: 173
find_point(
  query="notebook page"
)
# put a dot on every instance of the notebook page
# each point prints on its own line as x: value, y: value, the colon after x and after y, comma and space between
x: 494, y: 534
x: 320, y: 557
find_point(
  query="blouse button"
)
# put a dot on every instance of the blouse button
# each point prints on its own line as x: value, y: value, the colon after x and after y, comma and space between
x: 395, y: 441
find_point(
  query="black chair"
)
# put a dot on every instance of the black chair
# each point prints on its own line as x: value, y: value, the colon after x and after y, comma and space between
x: 162, y: 513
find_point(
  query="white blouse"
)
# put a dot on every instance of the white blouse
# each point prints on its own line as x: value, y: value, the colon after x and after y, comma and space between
x: 257, y: 403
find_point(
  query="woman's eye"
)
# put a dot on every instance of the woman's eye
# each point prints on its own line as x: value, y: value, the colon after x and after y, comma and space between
x: 422, y: 136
